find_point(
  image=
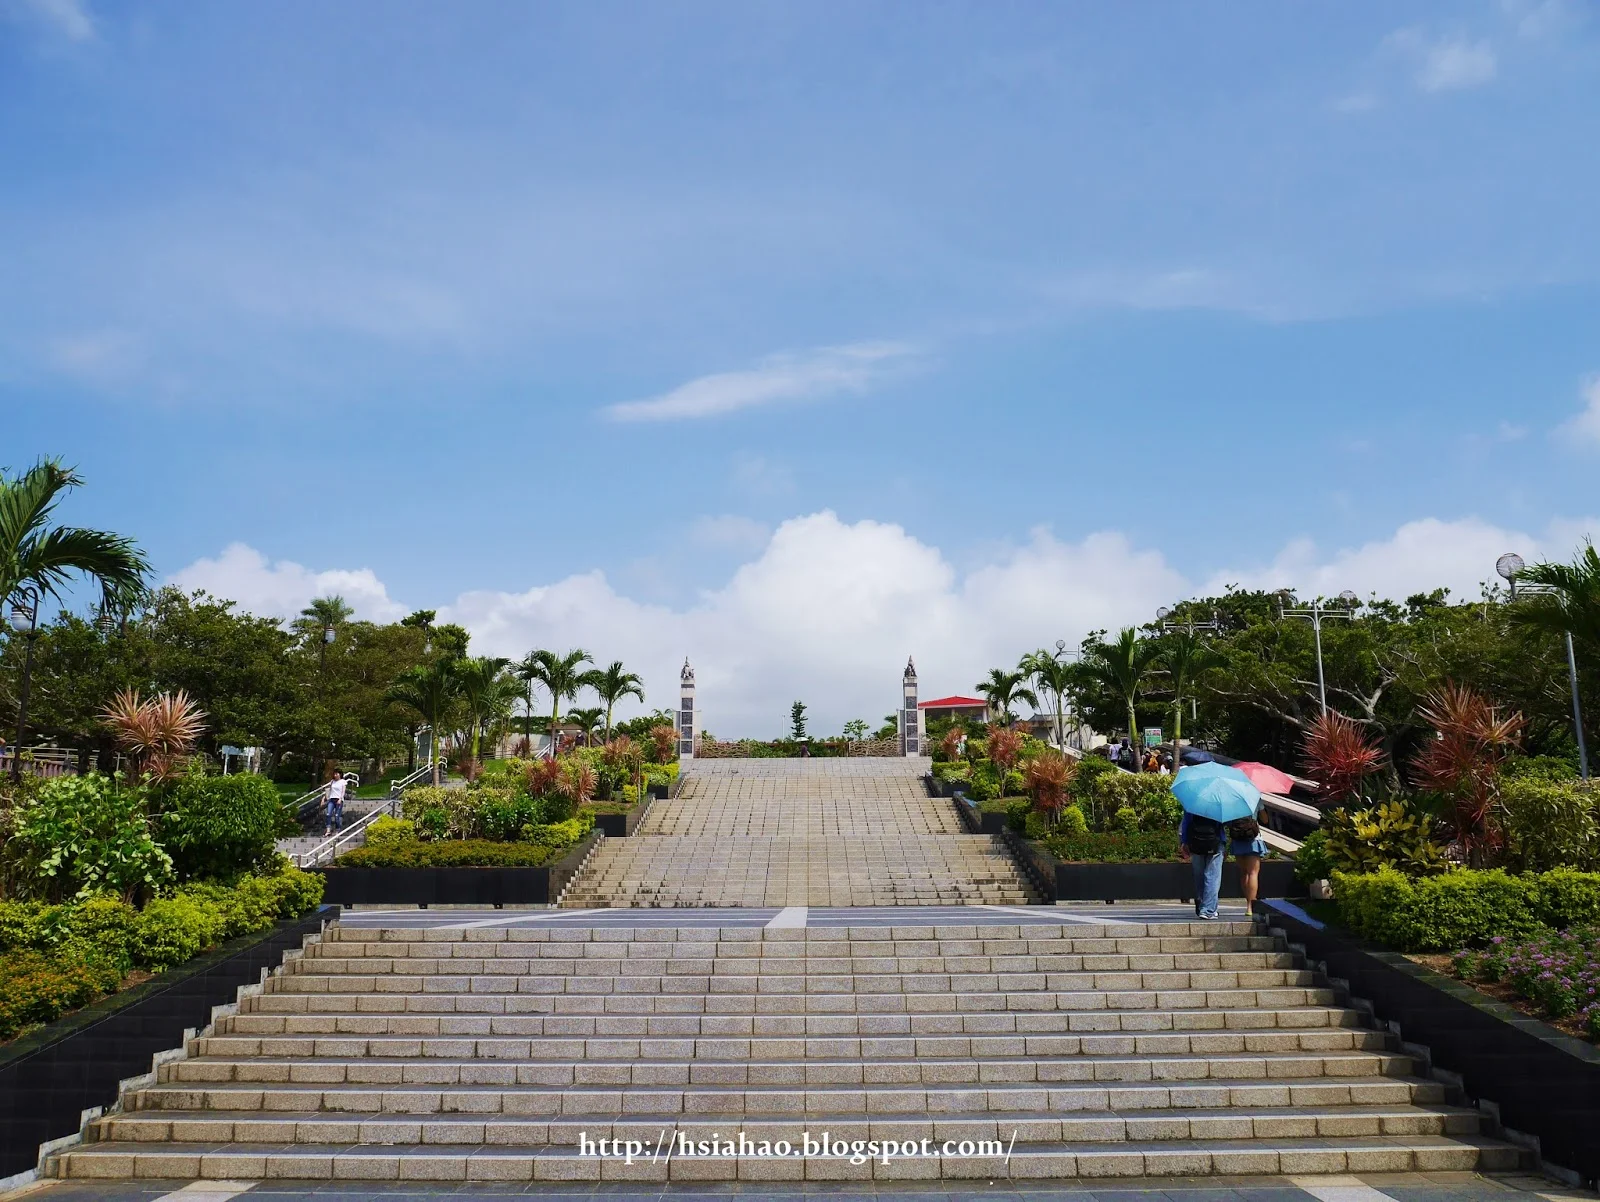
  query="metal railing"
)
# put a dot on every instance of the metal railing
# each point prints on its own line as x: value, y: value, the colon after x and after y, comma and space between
x: 330, y: 848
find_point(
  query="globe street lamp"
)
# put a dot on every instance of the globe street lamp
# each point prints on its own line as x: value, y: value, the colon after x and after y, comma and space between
x: 25, y: 621
x: 1315, y: 613
x: 1509, y: 566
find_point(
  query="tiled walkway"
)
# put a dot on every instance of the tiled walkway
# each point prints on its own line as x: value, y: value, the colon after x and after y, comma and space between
x: 1378, y: 1187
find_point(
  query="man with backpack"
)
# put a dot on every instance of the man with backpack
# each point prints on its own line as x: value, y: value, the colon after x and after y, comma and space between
x: 1201, y: 843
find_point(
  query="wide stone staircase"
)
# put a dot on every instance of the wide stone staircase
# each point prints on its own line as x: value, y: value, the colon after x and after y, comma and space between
x: 492, y: 1054
x: 854, y: 832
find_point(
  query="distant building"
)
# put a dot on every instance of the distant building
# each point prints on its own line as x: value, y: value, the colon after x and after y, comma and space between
x: 971, y: 709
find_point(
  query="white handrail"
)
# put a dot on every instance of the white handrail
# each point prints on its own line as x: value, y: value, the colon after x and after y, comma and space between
x: 330, y: 848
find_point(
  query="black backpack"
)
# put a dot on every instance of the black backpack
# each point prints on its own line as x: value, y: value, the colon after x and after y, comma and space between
x: 1205, y: 836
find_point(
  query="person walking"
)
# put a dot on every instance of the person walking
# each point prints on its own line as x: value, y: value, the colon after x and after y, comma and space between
x: 333, y: 804
x: 1247, y: 846
x: 1200, y: 845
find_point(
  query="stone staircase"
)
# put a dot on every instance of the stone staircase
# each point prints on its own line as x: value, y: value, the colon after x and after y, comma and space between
x: 851, y: 832
x: 488, y: 1054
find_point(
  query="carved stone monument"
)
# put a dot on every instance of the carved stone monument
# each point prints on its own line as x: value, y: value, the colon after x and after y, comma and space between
x: 910, y: 715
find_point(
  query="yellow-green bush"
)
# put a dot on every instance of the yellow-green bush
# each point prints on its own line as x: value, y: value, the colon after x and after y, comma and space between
x: 1464, y: 908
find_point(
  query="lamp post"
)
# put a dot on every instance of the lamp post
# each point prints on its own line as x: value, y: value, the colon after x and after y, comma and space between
x: 1315, y: 613
x: 1509, y: 566
x: 25, y: 621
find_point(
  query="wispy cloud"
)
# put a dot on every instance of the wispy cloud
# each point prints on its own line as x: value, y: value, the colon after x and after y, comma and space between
x: 809, y: 375
x: 1584, y: 426
x: 67, y: 17
x: 1445, y: 64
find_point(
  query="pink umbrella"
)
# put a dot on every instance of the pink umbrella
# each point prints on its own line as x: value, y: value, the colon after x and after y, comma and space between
x: 1266, y: 778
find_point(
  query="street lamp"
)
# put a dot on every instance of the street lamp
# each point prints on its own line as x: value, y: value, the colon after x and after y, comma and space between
x: 1315, y: 613
x: 25, y: 621
x: 1510, y: 566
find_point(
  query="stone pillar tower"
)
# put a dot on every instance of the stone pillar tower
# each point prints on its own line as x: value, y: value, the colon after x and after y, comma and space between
x: 686, y: 713
x: 910, y: 715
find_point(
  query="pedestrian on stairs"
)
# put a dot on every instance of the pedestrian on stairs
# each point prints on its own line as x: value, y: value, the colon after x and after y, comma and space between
x: 333, y: 804
x: 1200, y: 843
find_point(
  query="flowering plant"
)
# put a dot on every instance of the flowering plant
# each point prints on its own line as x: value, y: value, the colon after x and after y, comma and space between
x: 1557, y: 970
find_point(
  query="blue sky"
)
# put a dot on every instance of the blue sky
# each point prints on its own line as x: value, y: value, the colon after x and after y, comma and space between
x: 636, y: 324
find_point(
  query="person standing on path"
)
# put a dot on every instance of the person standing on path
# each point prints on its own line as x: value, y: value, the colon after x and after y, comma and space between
x: 1200, y: 844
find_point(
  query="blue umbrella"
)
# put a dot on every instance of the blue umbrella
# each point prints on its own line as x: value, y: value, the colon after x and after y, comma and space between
x: 1216, y: 791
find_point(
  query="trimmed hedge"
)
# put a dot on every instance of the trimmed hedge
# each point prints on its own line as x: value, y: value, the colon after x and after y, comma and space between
x: 1108, y: 847
x: 450, y: 853
x: 1465, y: 908
x: 55, y: 958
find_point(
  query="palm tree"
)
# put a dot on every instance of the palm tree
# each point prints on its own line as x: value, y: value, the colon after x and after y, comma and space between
x: 1120, y: 668
x: 1187, y: 657
x: 486, y: 690
x: 1001, y: 689
x: 561, y: 677
x: 1565, y: 600
x: 586, y: 720
x: 1056, y: 677
x: 37, y: 555
x: 432, y: 691
x: 612, y: 685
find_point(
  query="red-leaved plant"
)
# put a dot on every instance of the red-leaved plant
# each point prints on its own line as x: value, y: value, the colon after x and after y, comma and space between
x: 1048, y: 776
x: 156, y: 735
x: 1004, y: 747
x: 1339, y: 755
x: 1463, y: 763
x: 663, y: 739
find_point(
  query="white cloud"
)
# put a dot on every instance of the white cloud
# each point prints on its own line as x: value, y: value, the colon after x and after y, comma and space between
x: 283, y: 589
x: 810, y: 375
x: 67, y: 17
x: 1419, y: 557
x: 1448, y: 63
x: 828, y: 610
x: 1584, y: 426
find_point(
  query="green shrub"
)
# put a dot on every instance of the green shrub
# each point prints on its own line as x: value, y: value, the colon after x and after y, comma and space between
x: 1385, y: 836
x: 1551, y: 823
x: 1015, y: 784
x: 557, y: 835
x: 1147, y: 795
x: 36, y: 988
x: 174, y: 929
x: 220, y: 826
x: 503, y: 819
x: 1566, y: 898
x: 1070, y: 821
x: 390, y: 830
x: 450, y: 853
x: 1459, y: 909
x: 1125, y: 820
x: 1538, y: 767
x: 1100, y: 847
x: 1035, y: 825
x: 1312, y: 862
x: 82, y: 835
x: 984, y: 785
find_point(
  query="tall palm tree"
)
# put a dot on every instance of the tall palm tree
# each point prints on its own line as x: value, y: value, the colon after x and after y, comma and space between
x: 562, y: 677
x: 1001, y: 689
x: 38, y: 555
x: 612, y: 685
x: 432, y: 690
x: 1055, y: 677
x: 1187, y: 657
x: 330, y: 612
x: 486, y: 692
x: 1120, y: 668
